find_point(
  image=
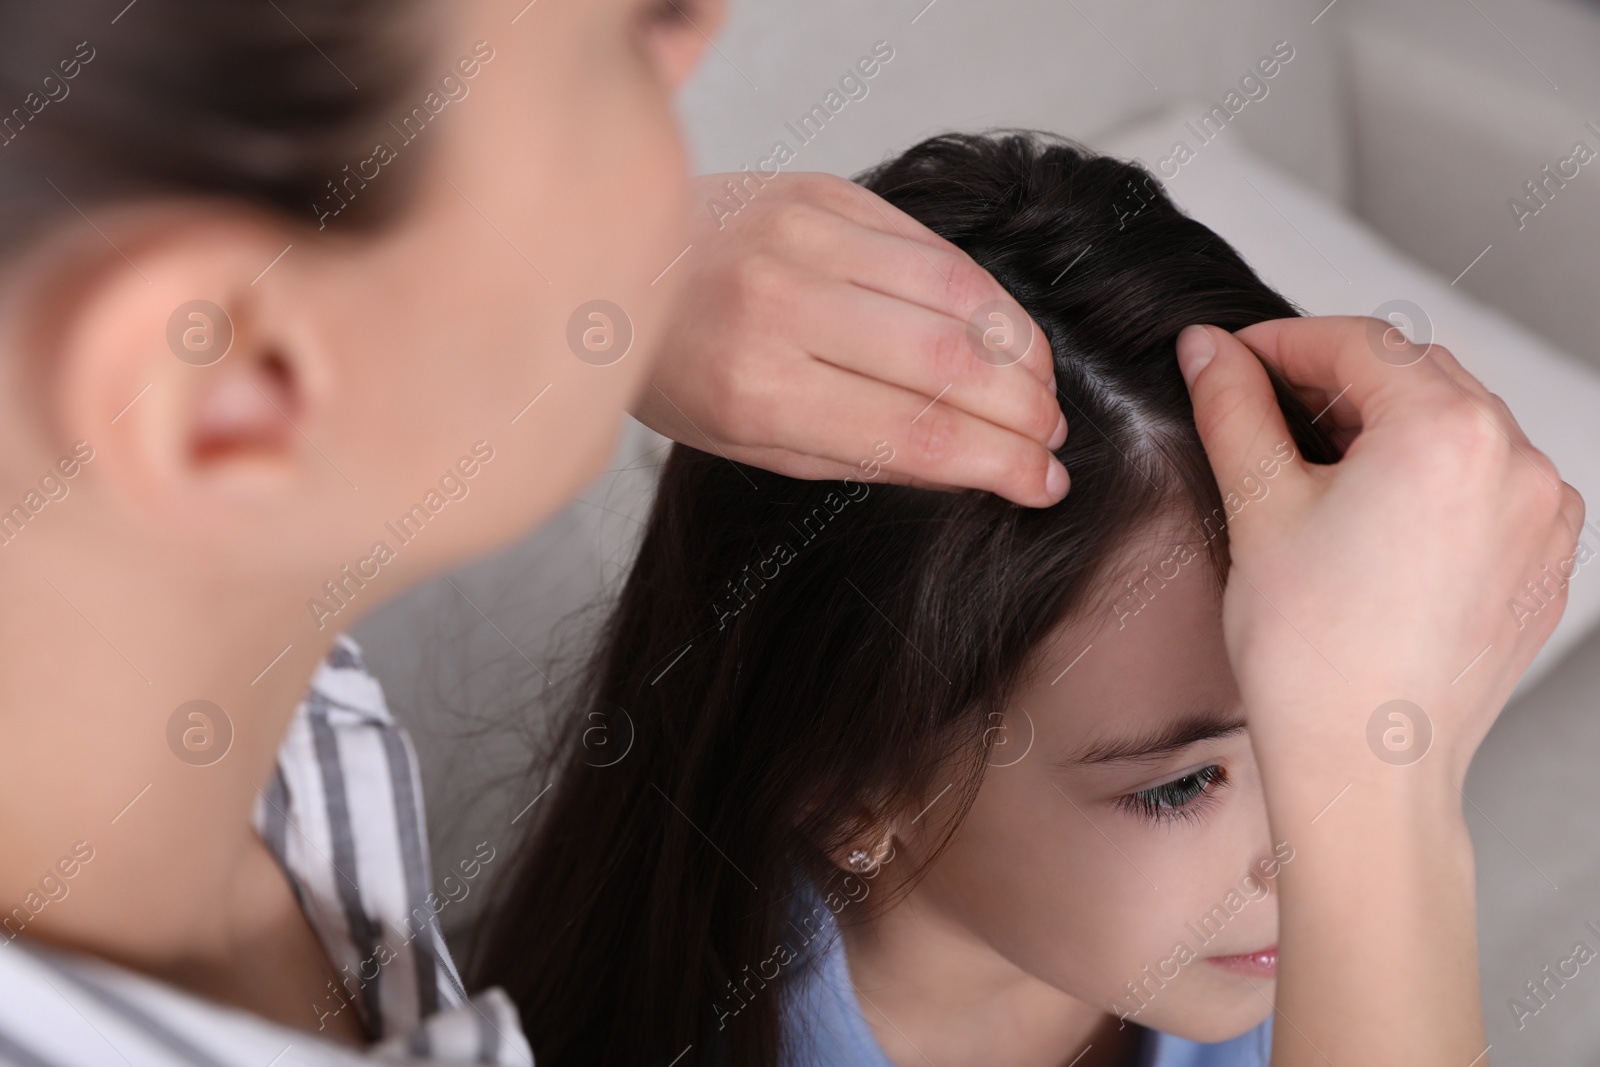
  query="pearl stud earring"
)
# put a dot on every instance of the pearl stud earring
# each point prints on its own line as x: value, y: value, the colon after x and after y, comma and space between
x: 863, y: 862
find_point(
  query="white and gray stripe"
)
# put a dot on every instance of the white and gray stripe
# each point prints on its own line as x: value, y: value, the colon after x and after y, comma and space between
x: 344, y: 817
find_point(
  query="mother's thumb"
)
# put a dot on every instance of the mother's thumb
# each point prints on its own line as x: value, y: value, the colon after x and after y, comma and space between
x: 1235, y: 409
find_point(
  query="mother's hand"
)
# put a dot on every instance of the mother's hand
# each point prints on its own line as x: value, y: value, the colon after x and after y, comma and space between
x: 818, y: 320
x: 1390, y: 574
x: 1369, y: 621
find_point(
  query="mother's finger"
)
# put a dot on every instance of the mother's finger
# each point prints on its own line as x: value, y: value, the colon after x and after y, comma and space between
x: 864, y: 207
x: 1236, y: 413
x: 834, y: 414
x: 930, y: 354
x: 939, y: 277
x: 1335, y: 355
x: 816, y: 469
x: 1340, y: 416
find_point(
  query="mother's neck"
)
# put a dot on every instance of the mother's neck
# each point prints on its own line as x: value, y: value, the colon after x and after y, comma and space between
x: 98, y: 651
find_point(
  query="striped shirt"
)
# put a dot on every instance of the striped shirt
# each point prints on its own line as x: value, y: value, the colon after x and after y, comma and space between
x: 343, y: 815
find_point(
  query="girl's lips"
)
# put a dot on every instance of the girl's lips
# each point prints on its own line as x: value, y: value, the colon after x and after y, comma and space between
x: 1262, y: 963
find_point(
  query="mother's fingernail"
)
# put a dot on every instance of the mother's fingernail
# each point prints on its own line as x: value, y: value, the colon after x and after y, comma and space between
x: 1059, y: 438
x: 1055, y: 480
x: 1195, y: 349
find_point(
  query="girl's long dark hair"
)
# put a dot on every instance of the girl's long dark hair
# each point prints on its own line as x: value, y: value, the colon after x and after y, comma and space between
x: 794, y: 661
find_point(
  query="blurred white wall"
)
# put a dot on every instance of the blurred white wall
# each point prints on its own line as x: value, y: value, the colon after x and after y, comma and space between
x: 1077, y: 67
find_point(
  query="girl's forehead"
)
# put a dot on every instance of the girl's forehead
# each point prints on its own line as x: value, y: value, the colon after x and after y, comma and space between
x: 1164, y: 570
x: 1147, y: 645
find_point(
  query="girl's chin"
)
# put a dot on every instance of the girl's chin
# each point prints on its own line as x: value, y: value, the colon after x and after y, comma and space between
x: 1211, y: 1021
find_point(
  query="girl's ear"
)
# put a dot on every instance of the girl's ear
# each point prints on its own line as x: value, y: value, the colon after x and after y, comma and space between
x: 866, y: 853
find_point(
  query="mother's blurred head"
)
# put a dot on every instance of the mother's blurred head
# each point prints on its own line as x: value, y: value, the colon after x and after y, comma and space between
x: 330, y: 245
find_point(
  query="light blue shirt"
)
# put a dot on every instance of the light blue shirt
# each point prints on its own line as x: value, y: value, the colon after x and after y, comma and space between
x: 823, y: 1025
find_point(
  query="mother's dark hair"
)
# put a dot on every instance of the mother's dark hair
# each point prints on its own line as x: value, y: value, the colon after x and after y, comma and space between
x: 795, y: 661
x: 262, y: 102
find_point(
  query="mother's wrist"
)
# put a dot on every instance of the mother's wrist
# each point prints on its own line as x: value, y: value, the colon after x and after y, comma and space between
x: 1359, y: 730
x: 1314, y: 784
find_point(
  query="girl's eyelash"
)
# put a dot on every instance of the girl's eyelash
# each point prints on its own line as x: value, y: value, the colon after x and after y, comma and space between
x: 1181, y: 798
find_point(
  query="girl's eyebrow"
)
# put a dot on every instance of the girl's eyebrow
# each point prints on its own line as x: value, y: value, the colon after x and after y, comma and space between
x: 1169, y: 737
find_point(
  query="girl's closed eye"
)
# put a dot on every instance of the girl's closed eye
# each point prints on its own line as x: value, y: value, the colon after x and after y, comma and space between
x: 1187, y: 797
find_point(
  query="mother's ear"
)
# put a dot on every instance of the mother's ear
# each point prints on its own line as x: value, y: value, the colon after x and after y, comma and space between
x: 178, y: 355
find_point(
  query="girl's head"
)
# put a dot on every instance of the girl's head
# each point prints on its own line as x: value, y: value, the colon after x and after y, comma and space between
x: 391, y: 213
x: 1032, y: 709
